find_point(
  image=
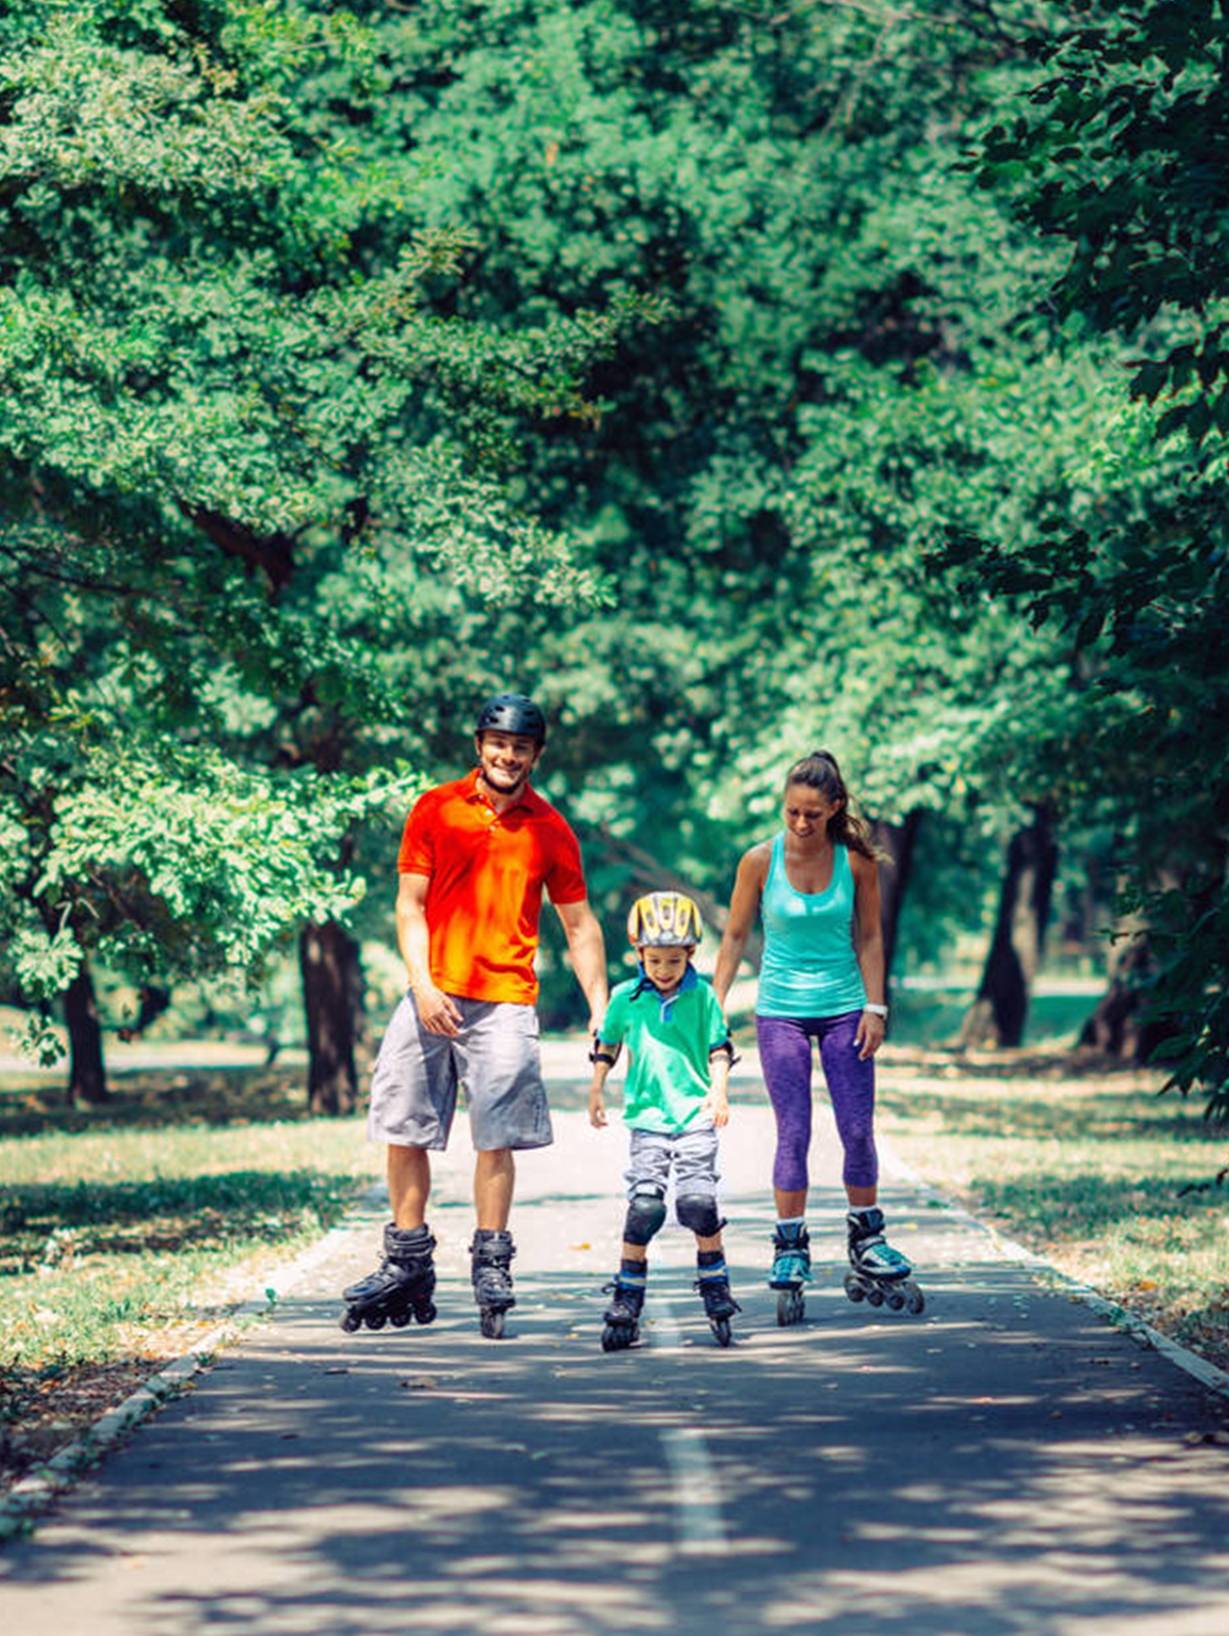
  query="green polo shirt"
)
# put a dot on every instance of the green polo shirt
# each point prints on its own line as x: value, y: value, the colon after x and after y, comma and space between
x: 668, y: 1042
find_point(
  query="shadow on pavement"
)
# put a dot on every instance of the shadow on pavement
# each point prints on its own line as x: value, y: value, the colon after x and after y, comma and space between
x: 1006, y: 1463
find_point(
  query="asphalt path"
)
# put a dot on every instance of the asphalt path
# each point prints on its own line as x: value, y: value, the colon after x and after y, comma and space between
x: 1007, y: 1462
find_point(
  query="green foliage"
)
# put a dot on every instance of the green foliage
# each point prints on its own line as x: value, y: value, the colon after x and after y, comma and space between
x: 1113, y: 159
x: 833, y: 381
x: 255, y: 475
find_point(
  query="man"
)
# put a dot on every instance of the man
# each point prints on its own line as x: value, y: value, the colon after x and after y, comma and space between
x: 475, y: 857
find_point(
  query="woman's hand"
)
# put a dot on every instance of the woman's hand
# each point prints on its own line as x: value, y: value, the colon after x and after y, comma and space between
x: 870, y: 1032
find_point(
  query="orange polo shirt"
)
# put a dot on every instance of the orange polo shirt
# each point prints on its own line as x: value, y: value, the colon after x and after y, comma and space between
x: 487, y: 870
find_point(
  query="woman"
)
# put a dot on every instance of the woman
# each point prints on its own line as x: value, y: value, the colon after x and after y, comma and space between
x: 816, y: 886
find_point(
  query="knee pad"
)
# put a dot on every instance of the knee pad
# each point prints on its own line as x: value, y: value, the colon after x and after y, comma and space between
x: 699, y: 1212
x: 645, y: 1215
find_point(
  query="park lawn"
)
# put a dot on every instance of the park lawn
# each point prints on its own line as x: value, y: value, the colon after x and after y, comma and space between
x: 127, y: 1235
x: 1088, y: 1166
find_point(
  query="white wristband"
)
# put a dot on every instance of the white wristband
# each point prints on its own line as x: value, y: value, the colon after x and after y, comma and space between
x: 876, y: 1010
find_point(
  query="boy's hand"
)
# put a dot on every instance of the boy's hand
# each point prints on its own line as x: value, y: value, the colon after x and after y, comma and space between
x: 597, y: 1108
x: 719, y: 1107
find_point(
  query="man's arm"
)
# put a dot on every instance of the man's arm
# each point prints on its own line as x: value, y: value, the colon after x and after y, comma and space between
x: 436, y: 1012
x: 588, y: 951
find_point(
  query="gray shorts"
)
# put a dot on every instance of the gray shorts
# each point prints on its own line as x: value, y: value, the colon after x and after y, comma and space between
x: 494, y: 1056
x: 692, y: 1153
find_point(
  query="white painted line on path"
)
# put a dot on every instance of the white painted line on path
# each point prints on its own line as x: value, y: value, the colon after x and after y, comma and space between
x: 697, y: 1491
x: 697, y: 1496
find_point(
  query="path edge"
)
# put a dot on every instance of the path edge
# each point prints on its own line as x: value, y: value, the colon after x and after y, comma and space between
x: 28, y: 1500
x: 1010, y: 1249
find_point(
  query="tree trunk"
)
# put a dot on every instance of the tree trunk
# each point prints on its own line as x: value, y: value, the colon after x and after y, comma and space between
x: 998, y: 1014
x: 87, y: 1073
x: 1117, y: 1026
x: 333, y: 1002
x: 898, y: 841
x: 1114, y: 1026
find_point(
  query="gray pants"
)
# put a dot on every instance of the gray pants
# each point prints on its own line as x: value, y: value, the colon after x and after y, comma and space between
x: 692, y: 1154
x: 494, y: 1055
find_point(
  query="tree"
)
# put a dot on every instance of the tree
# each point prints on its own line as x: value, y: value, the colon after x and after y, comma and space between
x: 235, y: 436
x: 1116, y: 160
x: 834, y: 382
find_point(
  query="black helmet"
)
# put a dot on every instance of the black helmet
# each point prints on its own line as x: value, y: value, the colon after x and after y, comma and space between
x: 512, y: 713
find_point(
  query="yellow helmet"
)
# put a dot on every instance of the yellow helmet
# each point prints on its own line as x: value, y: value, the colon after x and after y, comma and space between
x: 664, y: 920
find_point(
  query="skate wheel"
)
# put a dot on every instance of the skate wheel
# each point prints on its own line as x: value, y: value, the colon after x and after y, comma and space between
x: 854, y: 1288
x: 492, y: 1324
x: 425, y: 1314
x: 617, y: 1337
x: 875, y: 1296
x: 721, y: 1329
x: 895, y: 1300
x: 399, y: 1319
x: 914, y: 1299
x: 790, y: 1308
x: 350, y: 1321
x: 376, y: 1320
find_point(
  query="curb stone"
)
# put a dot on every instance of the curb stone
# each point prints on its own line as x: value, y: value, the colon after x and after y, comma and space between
x: 28, y: 1499
x: 1207, y: 1374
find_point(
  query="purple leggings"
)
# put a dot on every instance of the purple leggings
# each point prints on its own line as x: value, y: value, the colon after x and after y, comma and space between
x: 785, y: 1057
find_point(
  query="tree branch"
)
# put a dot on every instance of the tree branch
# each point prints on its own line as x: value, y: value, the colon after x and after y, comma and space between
x: 272, y: 555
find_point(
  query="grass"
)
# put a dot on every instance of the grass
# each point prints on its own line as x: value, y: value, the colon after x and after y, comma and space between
x: 126, y: 1234
x: 1092, y: 1168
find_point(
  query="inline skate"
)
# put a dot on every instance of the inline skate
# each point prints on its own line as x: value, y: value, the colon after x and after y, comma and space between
x: 878, y: 1273
x: 492, y: 1254
x: 622, y: 1319
x: 791, y: 1269
x: 401, y: 1287
x: 713, y: 1284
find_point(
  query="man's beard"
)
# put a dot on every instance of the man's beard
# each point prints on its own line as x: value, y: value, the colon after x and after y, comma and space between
x: 494, y: 779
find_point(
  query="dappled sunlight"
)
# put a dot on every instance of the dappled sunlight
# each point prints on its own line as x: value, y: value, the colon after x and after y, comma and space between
x: 429, y: 1480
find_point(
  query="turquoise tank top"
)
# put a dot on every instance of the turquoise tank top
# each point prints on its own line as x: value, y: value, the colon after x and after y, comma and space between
x: 809, y: 967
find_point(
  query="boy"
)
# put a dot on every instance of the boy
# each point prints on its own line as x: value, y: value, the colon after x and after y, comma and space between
x: 675, y: 1100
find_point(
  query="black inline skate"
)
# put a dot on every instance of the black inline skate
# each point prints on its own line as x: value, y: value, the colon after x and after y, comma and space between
x: 401, y: 1286
x: 622, y: 1320
x: 713, y: 1284
x: 791, y: 1269
x: 492, y: 1254
x: 879, y: 1274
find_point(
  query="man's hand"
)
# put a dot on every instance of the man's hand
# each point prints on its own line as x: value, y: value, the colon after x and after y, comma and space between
x: 597, y: 1107
x: 437, y: 1012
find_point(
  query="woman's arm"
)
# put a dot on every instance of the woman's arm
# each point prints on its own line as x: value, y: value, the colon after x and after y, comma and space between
x: 744, y: 906
x: 869, y: 946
